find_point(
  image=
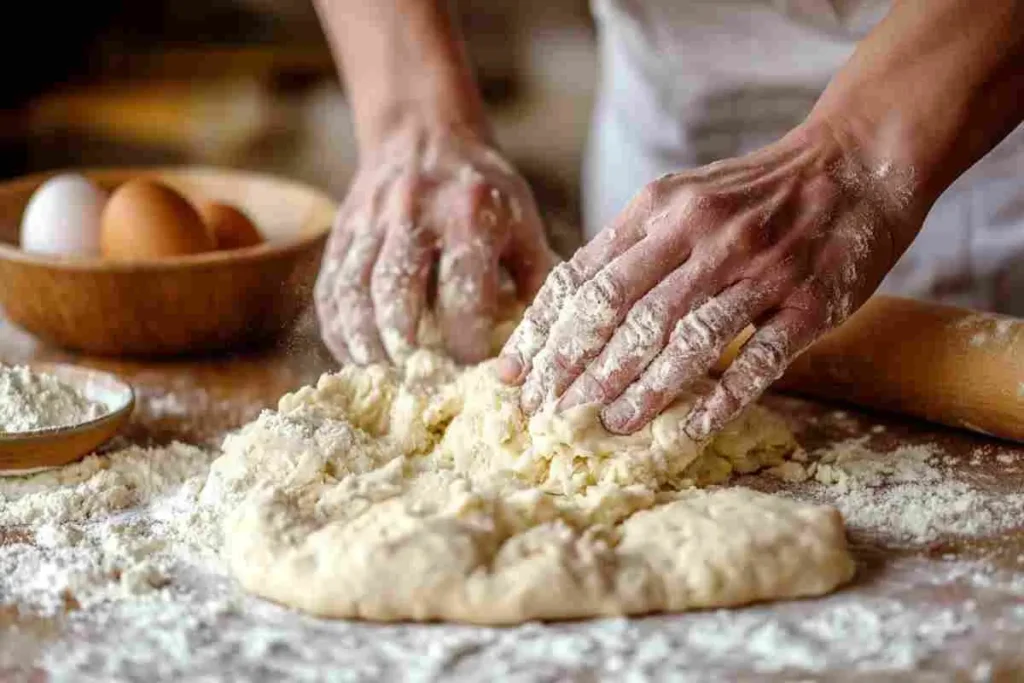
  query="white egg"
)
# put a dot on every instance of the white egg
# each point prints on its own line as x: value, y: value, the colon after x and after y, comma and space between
x: 63, y: 217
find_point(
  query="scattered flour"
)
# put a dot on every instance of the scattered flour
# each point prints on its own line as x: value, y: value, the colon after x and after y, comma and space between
x: 98, y: 528
x: 31, y: 401
x: 164, y: 405
x: 115, y: 549
x: 904, y: 496
x: 851, y: 464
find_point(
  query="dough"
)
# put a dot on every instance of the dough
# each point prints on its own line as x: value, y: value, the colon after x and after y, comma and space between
x: 424, y: 493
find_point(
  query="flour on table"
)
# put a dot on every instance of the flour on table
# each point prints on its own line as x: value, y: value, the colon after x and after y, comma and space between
x: 851, y: 464
x: 904, y: 495
x: 78, y: 534
x: 140, y: 593
x: 425, y: 493
x: 33, y: 400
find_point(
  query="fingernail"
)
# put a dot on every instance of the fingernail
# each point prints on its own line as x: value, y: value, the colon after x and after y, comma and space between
x: 698, y: 422
x: 510, y: 368
x: 531, y: 397
x: 585, y: 389
x: 618, y: 416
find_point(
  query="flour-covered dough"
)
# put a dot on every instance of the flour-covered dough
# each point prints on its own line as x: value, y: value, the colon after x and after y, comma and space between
x: 424, y: 493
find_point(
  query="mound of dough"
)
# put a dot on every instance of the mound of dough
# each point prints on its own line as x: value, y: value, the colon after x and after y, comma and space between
x: 424, y: 493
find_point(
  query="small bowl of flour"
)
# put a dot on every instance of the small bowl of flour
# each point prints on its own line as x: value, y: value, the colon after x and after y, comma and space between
x: 53, y: 414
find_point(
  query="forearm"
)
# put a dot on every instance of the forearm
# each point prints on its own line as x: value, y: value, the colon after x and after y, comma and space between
x: 403, y: 63
x: 931, y: 90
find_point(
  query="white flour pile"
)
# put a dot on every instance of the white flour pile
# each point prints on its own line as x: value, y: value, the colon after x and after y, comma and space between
x: 31, y: 400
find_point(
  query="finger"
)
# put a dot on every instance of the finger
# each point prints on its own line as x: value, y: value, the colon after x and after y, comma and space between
x: 398, y: 286
x: 324, y: 302
x: 737, y: 254
x: 468, y: 271
x: 467, y: 298
x: 358, y: 323
x: 529, y: 266
x: 644, y: 333
x: 596, y: 310
x: 561, y: 284
x: 527, y: 257
x: 761, y: 361
x: 330, y: 330
x: 696, y: 342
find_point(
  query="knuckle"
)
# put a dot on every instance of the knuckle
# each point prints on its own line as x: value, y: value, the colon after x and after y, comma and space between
x: 662, y: 188
x: 707, y: 203
x: 753, y: 375
x: 554, y: 360
x: 766, y: 357
x: 813, y: 299
x: 647, y: 324
x: 649, y: 198
x: 602, y: 296
x: 564, y: 280
x: 731, y: 395
x: 699, y: 335
x: 527, y: 339
x: 598, y: 389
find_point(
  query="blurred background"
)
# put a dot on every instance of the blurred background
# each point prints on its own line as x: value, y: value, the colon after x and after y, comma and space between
x: 251, y: 84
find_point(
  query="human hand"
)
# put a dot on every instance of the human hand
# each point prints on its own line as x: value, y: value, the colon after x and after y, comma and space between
x: 423, y: 203
x: 791, y: 239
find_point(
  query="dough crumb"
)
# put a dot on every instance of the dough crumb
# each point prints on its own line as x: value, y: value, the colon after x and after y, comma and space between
x: 790, y: 471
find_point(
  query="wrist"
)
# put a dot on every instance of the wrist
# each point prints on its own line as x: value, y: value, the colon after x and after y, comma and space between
x: 928, y: 92
x: 863, y: 164
x: 882, y: 144
x: 416, y: 120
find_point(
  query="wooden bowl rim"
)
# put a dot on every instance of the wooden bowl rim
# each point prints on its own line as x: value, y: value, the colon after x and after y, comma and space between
x: 254, y: 253
x: 118, y: 415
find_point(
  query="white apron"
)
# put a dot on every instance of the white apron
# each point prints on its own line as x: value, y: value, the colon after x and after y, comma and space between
x: 687, y: 82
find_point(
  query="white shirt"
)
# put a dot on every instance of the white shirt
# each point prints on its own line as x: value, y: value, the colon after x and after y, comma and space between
x: 687, y: 82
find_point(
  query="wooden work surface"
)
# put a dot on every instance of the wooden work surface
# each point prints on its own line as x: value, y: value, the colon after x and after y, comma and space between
x: 958, y: 604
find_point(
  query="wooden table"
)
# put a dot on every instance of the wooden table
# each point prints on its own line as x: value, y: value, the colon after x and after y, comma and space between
x: 973, y: 588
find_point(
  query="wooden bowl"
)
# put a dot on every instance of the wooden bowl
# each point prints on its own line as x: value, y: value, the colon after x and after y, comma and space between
x: 26, y: 452
x: 190, y: 304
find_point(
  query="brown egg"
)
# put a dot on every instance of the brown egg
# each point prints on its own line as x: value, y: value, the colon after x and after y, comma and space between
x: 231, y: 229
x: 146, y: 220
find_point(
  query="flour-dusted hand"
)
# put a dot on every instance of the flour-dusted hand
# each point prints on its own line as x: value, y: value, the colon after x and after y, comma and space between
x: 791, y: 239
x: 427, y: 203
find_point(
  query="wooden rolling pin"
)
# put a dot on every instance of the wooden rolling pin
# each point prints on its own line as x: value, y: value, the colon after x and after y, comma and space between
x: 948, y: 365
